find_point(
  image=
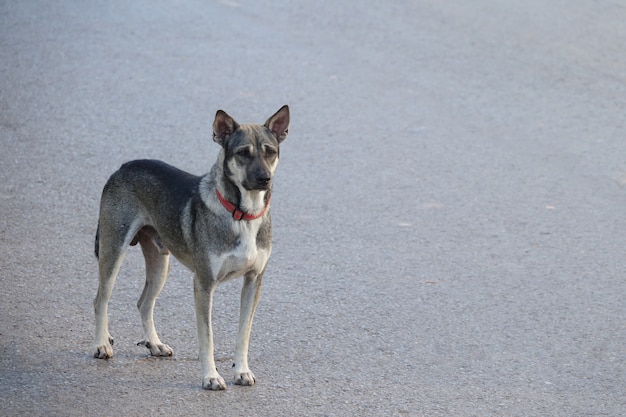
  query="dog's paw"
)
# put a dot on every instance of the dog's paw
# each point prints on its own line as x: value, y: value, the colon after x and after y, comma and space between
x: 245, y: 378
x: 104, y: 350
x: 157, y: 349
x: 214, y: 383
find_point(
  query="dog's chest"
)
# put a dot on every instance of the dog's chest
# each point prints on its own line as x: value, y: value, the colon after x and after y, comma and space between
x: 244, y: 257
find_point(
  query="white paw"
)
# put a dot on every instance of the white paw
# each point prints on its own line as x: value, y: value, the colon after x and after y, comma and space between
x: 104, y: 350
x: 245, y: 378
x: 157, y: 349
x: 214, y: 383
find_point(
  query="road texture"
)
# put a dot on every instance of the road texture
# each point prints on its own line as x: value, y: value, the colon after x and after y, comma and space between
x: 450, y: 208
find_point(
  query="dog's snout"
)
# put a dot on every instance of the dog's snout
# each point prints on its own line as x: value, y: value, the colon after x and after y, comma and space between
x: 259, y: 180
x: 262, y: 175
x: 263, y: 181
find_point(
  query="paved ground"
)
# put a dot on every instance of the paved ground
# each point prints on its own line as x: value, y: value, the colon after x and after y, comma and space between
x: 450, y: 222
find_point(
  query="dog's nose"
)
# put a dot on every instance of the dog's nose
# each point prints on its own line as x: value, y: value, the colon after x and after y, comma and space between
x: 262, y: 176
x: 262, y: 181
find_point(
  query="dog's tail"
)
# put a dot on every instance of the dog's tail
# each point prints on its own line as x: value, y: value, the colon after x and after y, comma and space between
x: 97, y: 244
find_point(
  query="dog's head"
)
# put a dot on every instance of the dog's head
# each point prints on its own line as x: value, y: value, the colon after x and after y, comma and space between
x: 251, y: 151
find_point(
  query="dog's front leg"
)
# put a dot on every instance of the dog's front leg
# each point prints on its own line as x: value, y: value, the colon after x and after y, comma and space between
x: 203, y: 295
x: 250, y: 294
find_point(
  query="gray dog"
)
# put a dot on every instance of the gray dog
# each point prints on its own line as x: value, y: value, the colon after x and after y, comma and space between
x: 218, y: 225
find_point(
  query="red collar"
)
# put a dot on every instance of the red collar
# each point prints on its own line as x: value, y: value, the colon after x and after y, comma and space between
x: 238, y: 214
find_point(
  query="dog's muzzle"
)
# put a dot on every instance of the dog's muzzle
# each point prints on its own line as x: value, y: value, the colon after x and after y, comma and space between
x: 259, y: 183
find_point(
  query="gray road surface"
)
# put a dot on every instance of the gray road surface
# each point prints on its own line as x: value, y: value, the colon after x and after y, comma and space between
x: 450, y: 209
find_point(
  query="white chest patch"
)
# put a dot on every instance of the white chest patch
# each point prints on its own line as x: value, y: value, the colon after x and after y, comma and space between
x: 244, y: 258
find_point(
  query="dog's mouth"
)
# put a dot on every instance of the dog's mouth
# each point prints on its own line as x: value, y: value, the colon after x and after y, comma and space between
x: 258, y: 185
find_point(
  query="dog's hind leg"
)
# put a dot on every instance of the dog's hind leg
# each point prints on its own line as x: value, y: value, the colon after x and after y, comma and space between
x: 250, y: 294
x: 110, y: 257
x: 157, y: 265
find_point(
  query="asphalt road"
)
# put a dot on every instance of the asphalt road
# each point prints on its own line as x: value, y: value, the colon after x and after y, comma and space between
x: 449, y: 211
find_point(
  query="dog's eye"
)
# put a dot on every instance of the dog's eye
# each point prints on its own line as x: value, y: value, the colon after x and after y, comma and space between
x: 244, y: 153
x: 270, y: 151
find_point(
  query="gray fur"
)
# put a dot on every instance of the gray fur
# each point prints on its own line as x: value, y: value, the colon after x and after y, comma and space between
x: 167, y: 210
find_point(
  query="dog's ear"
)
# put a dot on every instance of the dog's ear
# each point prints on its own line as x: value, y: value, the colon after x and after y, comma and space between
x: 223, y: 127
x: 278, y: 124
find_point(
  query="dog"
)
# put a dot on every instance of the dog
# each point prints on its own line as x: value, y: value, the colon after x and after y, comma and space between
x: 218, y: 225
